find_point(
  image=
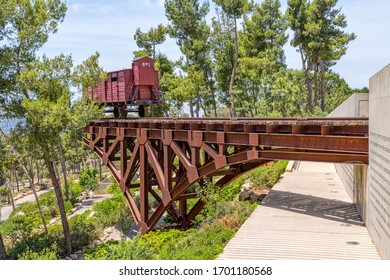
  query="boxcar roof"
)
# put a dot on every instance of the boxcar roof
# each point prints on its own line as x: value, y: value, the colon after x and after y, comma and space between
x: 144, y: 58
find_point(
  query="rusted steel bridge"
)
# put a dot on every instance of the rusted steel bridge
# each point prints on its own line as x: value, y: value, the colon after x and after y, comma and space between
x: 157, y: 161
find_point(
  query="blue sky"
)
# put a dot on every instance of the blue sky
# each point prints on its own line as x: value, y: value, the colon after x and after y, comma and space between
x: 109, y: 26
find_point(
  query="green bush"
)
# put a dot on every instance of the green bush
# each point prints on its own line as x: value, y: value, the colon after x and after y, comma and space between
x: 21, y: 222
x: 52, y: 253
x: 52, y: 245
x: 193, y: 244
x: 75, y: 190
x: 48, y: 199
x: 113, y: 210
x: 4, y: 190
x: 266, y: 176
x: 204, y: 244
x: 88, y: 179
x: 35, y: 245
x: 115, y: 250
x: 232, y: 190
x: 82, y: 230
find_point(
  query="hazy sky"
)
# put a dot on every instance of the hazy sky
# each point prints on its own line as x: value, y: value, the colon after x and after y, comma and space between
x: 109, y: 26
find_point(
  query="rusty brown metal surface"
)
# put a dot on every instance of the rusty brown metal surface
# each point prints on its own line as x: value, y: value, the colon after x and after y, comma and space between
x: 170, y: 155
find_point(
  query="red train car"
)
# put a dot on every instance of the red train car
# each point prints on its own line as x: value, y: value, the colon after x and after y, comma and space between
x: 138, y: 86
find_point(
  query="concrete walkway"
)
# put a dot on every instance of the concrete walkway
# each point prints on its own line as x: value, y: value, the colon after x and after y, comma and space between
x: 6, y: 211
x: 306, y: 215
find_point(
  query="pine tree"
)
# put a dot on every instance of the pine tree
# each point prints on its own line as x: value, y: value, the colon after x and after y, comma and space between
x: 187, y: 19
x: 235, y: 9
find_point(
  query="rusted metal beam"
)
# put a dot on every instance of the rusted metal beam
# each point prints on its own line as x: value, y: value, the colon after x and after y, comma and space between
x: 175, y: 153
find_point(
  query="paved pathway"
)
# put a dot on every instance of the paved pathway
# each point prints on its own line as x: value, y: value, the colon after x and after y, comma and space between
x: 86, y: 204
x: 307, y: 215
x: 7, y: 210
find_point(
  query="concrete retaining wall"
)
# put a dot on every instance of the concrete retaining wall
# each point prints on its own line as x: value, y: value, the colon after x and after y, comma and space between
x: 378, y: 190
x: 355, y: 106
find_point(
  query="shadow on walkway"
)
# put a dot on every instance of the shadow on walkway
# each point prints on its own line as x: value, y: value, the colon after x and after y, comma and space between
x: 331, y: 209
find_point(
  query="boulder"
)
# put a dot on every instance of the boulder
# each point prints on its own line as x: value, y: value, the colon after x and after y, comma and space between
x: 245, y: 195
x: 250, y: 193
x: 248, y: 186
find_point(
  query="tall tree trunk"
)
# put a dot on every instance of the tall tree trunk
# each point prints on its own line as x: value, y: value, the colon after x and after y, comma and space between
x: 190, y: 102
x: 3, y: 252
x: 38, y: 173
x: 256, y: 97
x: 12, y: 185
x: 231, y: 85
x: 316, y: 87
x: 197, y: 105
x: 31, y: 170
x: 322, y: 85
x: 210, y: 85
x: 11, y: 197
x: 57, y: 172
x: 63, y: 165
x: 61, y: 205
x: 77, y: 157
x: 16, y: 178
x: 214, y: 104
x: 307, y: 82
x: 17, y: 156
x: 191, y: 105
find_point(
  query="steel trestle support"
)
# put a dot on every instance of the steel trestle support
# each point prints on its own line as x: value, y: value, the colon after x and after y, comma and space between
x: 157, y: 162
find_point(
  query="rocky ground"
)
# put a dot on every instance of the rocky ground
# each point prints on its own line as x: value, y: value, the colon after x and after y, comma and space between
x: 250, y: 192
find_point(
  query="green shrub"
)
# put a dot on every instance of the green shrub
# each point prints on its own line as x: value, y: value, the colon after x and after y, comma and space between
x: 115, y: 250
x: 4, y: 191
x: 113, y: 210
x: 68, y: 206
x: 82, y: 230
x: 266, y: 176
x: 232, y: 190
x: 88, y: 179
x: 48, y: 199
x: 22, y: 221
x: 203, y: 244
x: 197, y: 244
x: 114, y: 189
x: 35, y: 244
x: 193, y: 244
x: 52, y: 253
x: 75, y: 191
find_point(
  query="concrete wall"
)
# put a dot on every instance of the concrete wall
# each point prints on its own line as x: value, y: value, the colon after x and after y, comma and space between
x: 355, y: 106
x: 351, y: 176
x: 378, y: 190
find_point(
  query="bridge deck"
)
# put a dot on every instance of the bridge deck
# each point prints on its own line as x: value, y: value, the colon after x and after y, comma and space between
x: 307, y: 215
x: 173, y: 154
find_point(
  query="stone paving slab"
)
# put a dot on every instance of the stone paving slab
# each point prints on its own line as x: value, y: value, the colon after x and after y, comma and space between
x: 306, y: 215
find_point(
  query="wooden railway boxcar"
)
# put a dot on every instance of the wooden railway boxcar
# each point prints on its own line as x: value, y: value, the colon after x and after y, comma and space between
x: 138, y: 86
